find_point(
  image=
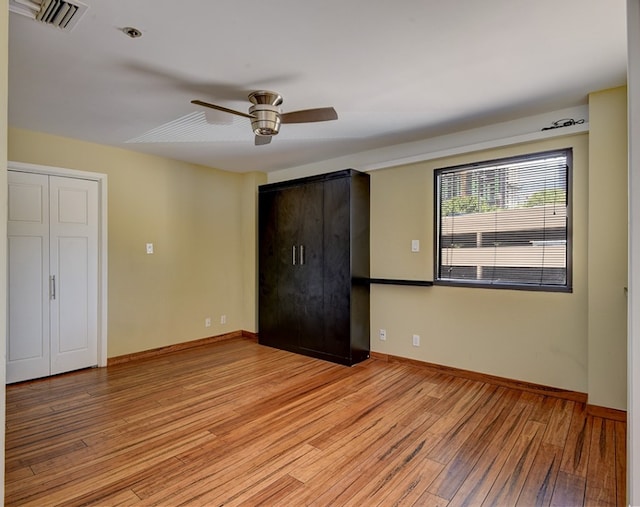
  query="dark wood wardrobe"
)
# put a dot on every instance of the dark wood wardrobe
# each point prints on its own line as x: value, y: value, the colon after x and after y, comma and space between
x: 313, y: 249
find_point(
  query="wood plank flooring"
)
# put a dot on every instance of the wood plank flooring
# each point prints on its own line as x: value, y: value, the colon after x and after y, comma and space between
x: 236, y: 423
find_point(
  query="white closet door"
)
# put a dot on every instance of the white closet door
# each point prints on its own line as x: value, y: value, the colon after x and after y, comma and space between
x: 53, y: 275
x: 74, y: 263
x: 28, y: 277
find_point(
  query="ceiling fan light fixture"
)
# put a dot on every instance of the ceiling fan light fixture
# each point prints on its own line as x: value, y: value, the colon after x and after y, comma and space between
x: 266, y: 119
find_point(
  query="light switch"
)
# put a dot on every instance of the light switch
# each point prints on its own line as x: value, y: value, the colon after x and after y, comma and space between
x: 415, y: 245
x: 149, y: 248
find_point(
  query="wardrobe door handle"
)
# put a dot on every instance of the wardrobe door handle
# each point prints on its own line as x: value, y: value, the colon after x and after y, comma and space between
x: 52, y: 287
x: 294, y: 255
x: 301, y: 255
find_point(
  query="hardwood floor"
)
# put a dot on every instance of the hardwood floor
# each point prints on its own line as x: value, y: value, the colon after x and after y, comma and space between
x: 236, y: 423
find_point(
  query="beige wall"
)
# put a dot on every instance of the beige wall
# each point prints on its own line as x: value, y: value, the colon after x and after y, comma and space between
x: 607, y: 272
x: 538, y: 337
x: 196, y: 217
x: 573, y: 341
x: 4, y: 61
x: 249, y: 248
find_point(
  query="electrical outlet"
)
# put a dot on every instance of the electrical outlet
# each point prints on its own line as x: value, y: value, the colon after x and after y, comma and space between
x: 382, y: 334
x: 416, y: 340
x: 149, y: 248
x: 207, y: 322
x: 223, y: 319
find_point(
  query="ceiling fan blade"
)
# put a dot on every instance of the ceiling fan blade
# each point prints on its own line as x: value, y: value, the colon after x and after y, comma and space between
x: 220, y: 108
x: 262, y: 140
x: 310, y: 115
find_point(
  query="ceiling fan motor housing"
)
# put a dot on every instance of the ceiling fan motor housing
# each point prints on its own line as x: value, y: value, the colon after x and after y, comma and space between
x: 266, y: 119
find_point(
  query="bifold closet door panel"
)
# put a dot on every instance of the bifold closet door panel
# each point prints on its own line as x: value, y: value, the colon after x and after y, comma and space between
x: 28, y: 283
x: 74, y: 260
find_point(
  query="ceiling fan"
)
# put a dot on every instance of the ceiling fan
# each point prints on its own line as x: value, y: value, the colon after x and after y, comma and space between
x: 266, y: 116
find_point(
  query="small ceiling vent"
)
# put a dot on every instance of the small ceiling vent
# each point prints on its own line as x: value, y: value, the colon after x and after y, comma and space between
x: 58, y: 13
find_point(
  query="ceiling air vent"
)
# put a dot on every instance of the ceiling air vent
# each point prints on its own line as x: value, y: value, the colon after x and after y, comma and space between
x: 58, y: 13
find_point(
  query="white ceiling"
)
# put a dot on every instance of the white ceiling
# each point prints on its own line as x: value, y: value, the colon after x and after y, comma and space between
x: 395, y: 71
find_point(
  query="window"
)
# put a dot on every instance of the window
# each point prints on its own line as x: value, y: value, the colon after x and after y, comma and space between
x: 505, y: 223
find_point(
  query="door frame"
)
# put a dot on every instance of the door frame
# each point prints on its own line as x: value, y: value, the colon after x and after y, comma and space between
x: 101, y: 179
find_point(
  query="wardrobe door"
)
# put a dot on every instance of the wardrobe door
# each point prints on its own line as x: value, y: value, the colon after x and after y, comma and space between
x: 309, y: 287
x: 290, y: 209
x: 337, y: 268
x: 28, y: 285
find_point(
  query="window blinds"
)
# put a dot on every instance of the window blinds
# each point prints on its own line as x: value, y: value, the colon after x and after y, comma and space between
x: 505, y: 222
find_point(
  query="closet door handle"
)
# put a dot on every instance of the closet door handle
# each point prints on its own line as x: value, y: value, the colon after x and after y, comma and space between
x: 301, y: 255
x: 52, y: 287
x: 294, y: 255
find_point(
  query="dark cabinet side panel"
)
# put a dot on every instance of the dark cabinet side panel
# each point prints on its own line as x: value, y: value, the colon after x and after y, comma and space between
x: 360, y: 204
x: 268, y: 269
x: 360, y: 317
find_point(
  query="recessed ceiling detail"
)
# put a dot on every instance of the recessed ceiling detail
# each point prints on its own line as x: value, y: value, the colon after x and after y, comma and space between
x: 191, y: 128
x: 58, y: 13
x: 132, y: 32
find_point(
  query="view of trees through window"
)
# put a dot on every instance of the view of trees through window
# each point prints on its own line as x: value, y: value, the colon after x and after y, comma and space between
x: 505, y: 223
